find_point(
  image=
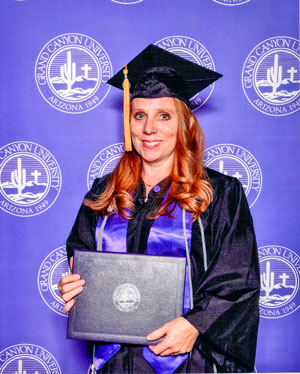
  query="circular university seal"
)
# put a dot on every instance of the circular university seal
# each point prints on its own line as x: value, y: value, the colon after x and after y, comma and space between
x: 126, y: 297
x: 27, y: 358
x: 231, y: 2
x: 194, y: 51
x: 71, y: 72
x: 271, y: 76
x: 236, y: 161
x: 104, y: 162
x: 54, y: 266
x: 279, y: 279
x: 30, y: 179
x: 127, y: 2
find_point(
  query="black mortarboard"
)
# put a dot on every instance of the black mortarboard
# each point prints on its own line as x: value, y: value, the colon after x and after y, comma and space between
x: 156, y: 73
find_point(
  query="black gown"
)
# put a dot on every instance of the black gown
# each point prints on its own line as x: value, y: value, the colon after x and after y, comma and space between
x: 225, y: 296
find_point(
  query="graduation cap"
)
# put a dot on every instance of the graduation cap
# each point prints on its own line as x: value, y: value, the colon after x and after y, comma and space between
x: 156, y: 73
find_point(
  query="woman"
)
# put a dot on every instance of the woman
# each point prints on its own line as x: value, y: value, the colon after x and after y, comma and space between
x: 162, y: 177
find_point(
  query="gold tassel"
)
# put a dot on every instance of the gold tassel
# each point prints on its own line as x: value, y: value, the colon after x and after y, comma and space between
x: 126, y: 108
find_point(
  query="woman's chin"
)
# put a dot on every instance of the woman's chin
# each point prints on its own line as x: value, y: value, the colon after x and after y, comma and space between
x: 157, y: 159
x: 151, y: 159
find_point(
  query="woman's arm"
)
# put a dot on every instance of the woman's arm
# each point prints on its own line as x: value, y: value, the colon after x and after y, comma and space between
x: 226, y: 299
x: 82, y: 236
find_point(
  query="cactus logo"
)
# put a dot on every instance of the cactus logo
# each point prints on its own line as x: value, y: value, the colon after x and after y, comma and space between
x: 279, y: 278
x: 236, y: 161
x: 193, y: 51
x: 30, y: 179
x: 104, y: 162
x: 127, y: 1
x: 271, y: 76
x: 71, y: 72
x: 231, y: 2
x: 27, y: 358
x: 54, y: 266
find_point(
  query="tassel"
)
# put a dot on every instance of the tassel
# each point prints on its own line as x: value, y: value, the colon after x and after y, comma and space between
x: 126, y: 108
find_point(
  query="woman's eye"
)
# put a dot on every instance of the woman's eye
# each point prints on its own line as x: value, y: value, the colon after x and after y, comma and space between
x: 139, y: 116
x: 165, y: 116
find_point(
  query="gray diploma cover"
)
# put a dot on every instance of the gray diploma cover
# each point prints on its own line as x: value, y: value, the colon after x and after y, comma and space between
x: 126, y: 296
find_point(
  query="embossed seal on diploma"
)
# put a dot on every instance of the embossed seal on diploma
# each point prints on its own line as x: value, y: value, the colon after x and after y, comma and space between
x: 126, y: 297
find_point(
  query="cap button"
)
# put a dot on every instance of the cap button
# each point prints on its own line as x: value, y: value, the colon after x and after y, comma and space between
x: 156, y: 188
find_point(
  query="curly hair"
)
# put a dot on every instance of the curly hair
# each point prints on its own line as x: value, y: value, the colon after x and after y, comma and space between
x: 188, y: 181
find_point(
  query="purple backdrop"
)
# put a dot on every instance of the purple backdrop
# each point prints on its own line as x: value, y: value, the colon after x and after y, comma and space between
x: 61, y: 128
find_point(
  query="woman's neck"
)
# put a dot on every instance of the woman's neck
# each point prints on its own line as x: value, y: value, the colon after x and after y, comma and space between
x: 153, y: 174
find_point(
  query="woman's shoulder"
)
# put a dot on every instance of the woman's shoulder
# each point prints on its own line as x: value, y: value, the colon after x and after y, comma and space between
x: 221, y: 182
x: 98, y: 187
x: 217, y: 178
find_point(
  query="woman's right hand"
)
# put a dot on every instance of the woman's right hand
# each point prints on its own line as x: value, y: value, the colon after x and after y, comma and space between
x: 69, y: 286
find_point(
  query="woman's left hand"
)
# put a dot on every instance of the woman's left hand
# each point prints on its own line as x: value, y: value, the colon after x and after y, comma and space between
x: 179, y: 338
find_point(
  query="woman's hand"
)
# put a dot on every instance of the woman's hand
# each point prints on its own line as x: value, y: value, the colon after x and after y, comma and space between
x: 70, y: 286
x: 179, y: 338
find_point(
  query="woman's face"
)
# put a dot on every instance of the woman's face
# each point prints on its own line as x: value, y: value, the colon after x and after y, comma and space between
x: 154, y: 129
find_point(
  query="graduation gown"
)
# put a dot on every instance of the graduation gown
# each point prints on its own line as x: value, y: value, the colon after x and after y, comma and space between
x: 225, y: 296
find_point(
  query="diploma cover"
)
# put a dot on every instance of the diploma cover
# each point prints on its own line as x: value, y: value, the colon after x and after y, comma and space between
x: 126, y: 296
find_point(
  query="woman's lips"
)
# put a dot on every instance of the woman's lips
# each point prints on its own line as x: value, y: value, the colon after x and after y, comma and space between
x: 151, y: 144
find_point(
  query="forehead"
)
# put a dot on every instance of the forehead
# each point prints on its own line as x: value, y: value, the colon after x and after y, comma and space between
x: 164, y: 103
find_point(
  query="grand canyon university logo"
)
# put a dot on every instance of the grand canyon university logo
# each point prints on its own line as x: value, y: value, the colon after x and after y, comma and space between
x: 30, y: 179
x: 54, y: 266
x: 27, y: 359
x: 236, y: 161
x: 279, y: 279
x: 71, y: 72
x: 104, y: 162
x: 194, y: 51
x: 271, y: 76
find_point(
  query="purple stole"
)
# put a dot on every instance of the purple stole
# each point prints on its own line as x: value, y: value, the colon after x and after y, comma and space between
x: 166, y: 238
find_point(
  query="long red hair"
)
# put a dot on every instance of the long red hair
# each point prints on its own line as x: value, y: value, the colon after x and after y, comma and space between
x: 190, y: 186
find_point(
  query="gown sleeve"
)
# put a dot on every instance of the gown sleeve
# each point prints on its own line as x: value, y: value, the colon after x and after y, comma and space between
x: 226, y: 297
x: 82, y: 235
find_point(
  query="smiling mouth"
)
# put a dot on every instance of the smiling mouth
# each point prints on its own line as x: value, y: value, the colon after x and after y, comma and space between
x: 151, y: 144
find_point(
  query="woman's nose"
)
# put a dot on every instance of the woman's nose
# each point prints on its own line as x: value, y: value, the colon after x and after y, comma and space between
x: 150, y: 126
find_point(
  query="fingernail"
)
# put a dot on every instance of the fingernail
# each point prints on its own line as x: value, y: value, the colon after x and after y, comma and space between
x: 80, y: 288
x: 82, y: 281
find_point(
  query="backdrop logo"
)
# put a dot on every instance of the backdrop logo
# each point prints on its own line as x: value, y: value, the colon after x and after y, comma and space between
x: 71, y: 72
x: 236, y: 161
x: 30, y: 179
x: 127, y: 1
x: 279, y: 279
x: 27, y: 358
x: 271, y: 76
x: 54, y: 266
x: 231, y: 2
x: 194, y: 51
x: 104, y: 162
